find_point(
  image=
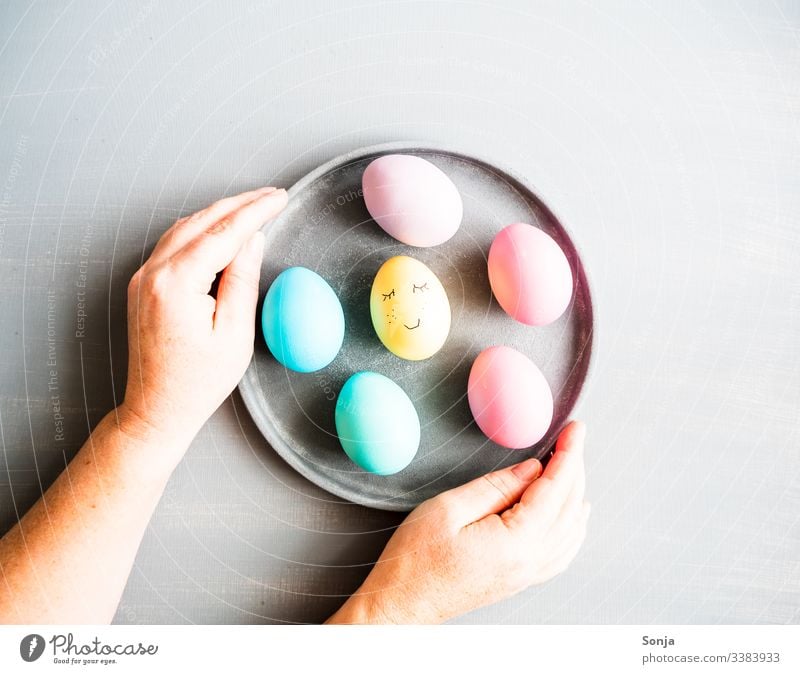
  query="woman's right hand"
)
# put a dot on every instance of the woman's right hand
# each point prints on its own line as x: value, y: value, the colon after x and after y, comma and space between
x: 479, y: 543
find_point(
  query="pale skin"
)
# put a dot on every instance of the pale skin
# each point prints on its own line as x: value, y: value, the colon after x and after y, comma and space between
x: 68, y: 559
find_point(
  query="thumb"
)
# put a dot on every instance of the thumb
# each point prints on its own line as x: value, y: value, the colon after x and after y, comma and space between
x: 494, y: 492
x: 237, y: 294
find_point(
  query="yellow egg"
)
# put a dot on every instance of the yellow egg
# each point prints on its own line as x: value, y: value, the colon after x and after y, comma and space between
x: 409, y: 308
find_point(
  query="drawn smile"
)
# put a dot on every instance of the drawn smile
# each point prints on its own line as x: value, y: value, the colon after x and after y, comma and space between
x: 412, y: 328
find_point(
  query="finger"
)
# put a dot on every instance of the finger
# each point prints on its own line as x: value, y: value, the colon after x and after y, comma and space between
x: 565, y: 525
x: 560, y: 564
x: 574, y: 500
x: 214, y: 249
x: 544, y: 499
x: 492, y: 493
x: 572, y: 545
x: 185, y: 229
x: 237, y: 295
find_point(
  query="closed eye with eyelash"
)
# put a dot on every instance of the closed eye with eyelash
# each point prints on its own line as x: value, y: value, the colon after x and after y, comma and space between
x: 389, y: 295
x: 421, y: 288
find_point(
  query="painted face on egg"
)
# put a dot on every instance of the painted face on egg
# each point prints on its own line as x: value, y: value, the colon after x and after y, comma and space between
x: 409, y: 308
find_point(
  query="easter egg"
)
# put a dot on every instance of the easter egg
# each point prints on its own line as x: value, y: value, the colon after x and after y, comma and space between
x: 302, y: 320
x: 409, y: 308
x: 509, y: 397
x: 529, y: 274
x: 377, y: 424
x: 411, y: 199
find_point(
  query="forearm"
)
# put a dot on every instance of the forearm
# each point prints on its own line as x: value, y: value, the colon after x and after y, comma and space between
x: 69, y: 558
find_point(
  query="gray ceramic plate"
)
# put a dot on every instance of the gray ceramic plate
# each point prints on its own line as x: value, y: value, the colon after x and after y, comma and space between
x: 326, y: 228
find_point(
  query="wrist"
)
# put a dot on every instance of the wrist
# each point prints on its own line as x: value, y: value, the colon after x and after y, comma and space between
x: 141, y: 427
x: 378, y: 608
x: 359, y: 609
x: 159, y: 450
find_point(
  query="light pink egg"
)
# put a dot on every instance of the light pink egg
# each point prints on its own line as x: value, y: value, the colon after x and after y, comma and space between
x: 412, y: 200
x: 509, y: 397
x: 529, y: 274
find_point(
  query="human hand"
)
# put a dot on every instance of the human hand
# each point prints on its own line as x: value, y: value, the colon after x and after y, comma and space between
x: 479, y: 543
x: 187, y: 350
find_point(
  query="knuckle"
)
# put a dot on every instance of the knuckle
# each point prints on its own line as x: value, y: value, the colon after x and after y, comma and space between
x: 515, y: 522
x: 133, y: 284
x: 185, y: 223
x: 244, y: 281
x: 158, y: 283
x: 220, y: 226
x: 167, y: 237
x: 445, y: 505
x: 195, y: 217
x: 442, y: 502
x: 499, y: 482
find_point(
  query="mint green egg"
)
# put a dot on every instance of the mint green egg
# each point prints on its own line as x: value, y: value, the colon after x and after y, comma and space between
x: 377, y: 423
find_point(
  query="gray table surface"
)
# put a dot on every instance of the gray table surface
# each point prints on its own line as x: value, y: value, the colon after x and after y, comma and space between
x: 666, y: 135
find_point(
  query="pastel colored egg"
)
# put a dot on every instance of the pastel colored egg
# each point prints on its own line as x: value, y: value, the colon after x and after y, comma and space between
x: 509, y: 397
x: 412, y: 200
x: 377, y: 423
x: 409, y: 308
x: 529, y: 274
x: 302, y: 320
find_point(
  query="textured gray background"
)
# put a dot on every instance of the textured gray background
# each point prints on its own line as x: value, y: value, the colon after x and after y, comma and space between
x: 666, y: 136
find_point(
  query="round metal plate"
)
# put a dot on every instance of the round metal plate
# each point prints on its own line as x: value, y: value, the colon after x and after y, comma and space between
x: 327, y: 228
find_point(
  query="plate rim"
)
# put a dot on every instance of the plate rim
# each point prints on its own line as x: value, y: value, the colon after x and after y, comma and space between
x: 248, y: 384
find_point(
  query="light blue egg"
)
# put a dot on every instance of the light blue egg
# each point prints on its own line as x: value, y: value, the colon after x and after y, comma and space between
x: 302, y: 320
x: 377, y: 424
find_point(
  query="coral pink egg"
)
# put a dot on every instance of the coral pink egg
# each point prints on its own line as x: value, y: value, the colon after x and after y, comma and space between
x: 529, y: 274
x: 509, y: 397
x: 412, y: 200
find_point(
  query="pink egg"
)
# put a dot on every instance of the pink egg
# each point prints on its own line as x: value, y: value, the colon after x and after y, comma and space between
x: 509, y: 397
x: 412, y: 200
x: 529, y: 274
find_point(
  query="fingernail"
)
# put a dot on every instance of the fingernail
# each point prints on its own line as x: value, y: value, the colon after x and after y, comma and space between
x: 528, y: 470
x: 266, y: 190
x: 274, y: 192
